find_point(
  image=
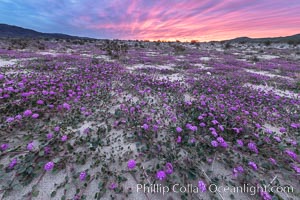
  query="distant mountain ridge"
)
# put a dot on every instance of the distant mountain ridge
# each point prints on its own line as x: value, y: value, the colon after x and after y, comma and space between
x: 292, y: 38
x: 19, y: 32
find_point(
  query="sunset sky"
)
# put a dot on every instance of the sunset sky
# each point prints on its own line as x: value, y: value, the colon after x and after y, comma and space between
x: 202, y: 20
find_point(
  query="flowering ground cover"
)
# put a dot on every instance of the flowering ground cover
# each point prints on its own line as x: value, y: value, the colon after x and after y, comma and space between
x: 93, y: 119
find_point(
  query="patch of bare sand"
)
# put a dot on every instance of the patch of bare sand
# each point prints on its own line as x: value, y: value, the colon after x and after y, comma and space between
x: 7, y: 63
x: 171, y: 77
x: 269, y: 89
x: 266, y: 73
x: 142, y: 66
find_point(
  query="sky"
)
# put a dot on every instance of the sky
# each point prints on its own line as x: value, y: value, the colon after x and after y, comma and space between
x: 184, y: 20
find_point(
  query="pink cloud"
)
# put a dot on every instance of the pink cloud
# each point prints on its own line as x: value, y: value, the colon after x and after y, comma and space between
x: 204, y: 20
x: 173, y: 19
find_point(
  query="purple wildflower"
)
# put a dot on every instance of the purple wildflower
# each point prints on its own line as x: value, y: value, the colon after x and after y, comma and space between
x: 267, y: 140
x: 193, y: 140
x: 169, y: 168
x: 200, y: 117
x: 161, y: 175
x: 273, y: 161
x: 178, y: 139
x: 220, y: 139
x: 240, y: 169
x: 215, y: 122
x: 265, y: 195
x: 49, y: 136
x: 27, y: 113
x: 86, y: 131
x: 64, y: 138
x: 30, y: 146
x: 282, y: 130
x: 13, y: 163
x: 131, y: 164
x: 214, y: 143
x: 113, y: 186
x: 40, y: 102
x: 237, y: 130
x: 253, y: 165
x: 174, y: 119
x: 10, y: 119
x: 145, y: 126
x: 35, y: 116
x: 212, y: 129
x: 188, y: 125
x: 56, y: 129
x: 294, y: 125
x: 296, y: 168
x: 252, y: 147
x: 82, y: 176
x: 234, y: 172
x: 44, y: 92
x: 4, y: 146
x: 214, y: 133
x: 188, y: 103
x: 52, y: 93
x: 49, y: 166
x: 233, y: 108
x: 155, y: 128
x: 258, y: 126
x: 202, y: 186
x: 18, y: 117
x: 224, y: 144
x: 132, y: 109
x: 291, y: 154
x: 221, y: 127
x: 193, y: 128
x: 178, y: 129
x: 202, y: 124
x: 240, y: 143
x: 237, y: 170
x: 278, y: 139
x: 47, y: 149
x: 293, y: 142
x: 269, y: 131
x: 66, y: 106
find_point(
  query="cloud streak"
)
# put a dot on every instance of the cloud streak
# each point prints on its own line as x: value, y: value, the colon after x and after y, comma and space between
x: 157, y: 19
